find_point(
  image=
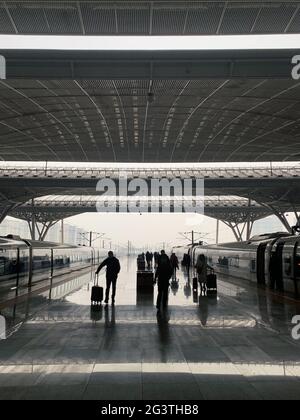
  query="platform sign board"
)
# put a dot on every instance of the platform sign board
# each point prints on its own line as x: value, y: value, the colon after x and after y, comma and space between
x: 2, y: 67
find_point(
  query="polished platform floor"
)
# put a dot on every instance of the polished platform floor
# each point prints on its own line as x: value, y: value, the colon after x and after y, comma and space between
x: 238, y: 346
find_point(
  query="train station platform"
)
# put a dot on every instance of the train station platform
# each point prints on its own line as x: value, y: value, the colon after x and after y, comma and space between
x: 238, y: 346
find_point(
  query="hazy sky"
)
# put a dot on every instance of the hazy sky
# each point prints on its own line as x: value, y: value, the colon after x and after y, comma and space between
x: 157, y: 229
x: 149, y: 229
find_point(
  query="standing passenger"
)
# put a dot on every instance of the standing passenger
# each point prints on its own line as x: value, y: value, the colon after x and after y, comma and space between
x: 151, y: 259
x: 188, y: 262
x: 201, y: 267
x: 163, y: 274
x: 174, y: 264
x: 148, y: 259
x: 156, y: 258
x: 112, y: 270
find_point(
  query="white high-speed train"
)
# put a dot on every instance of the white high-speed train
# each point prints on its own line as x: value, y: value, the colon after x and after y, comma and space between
x: 271, y: 259
x: 24, y: 263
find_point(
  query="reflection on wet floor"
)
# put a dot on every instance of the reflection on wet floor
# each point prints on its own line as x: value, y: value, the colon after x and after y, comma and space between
x: 237, y: 346
x: 2, y: 328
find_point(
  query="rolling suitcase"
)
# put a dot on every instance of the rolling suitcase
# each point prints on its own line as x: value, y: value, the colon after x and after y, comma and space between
x: 212, y: 289
x: 195, y: 283
x: 97, y: 293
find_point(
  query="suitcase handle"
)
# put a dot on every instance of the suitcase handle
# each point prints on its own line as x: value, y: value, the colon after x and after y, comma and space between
x: 96, y: 280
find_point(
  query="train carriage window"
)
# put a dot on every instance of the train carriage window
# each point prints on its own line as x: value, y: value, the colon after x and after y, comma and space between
x: 8, y: 262
x: 41, y: 259
x: 234, y: 261
x: 2, y: 265
x: 224, y: 261
x: 24, y: 261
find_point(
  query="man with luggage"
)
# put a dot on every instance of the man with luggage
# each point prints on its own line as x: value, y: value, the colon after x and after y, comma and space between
x: 203, y: 277
x: 112, y: 270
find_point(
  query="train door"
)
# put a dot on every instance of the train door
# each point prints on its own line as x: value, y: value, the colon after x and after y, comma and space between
x: 260, y: 266
x: 276, y: 266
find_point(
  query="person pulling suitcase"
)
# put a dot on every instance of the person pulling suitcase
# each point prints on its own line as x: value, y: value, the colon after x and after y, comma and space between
x: 201, y: 268
x: 113, y: 268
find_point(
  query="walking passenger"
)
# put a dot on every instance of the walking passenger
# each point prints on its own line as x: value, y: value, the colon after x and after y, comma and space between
x: 188, y: 262
x: 156, y: 258
x: 174, y: 264
x: 151, y: 259
x: 201, y: 268
x: 148, y: 259
x: 112, y: 270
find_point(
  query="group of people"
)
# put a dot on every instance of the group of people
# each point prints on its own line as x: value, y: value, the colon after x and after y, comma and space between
x: 148, y: 258
x: 165, y: 269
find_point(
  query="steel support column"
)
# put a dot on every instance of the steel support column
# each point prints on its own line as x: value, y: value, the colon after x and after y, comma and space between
x: 6, y: 210
x: 282, y: 217
x: 239, y: 229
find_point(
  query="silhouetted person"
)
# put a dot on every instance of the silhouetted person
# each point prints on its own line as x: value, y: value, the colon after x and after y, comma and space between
x: 225, y: 262
x: 148, y: 259
x: 151, y: 259
x: 163, y: 274
x: 112, y: 270
x: 141, y: 263
x: 201, y: 267
x: 174, y: 264
x: 188, y: 262
x: 156, y: 258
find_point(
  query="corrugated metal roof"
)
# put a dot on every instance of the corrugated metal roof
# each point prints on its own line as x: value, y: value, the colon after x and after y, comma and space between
x: 188, y: 121
x: 149, y: 17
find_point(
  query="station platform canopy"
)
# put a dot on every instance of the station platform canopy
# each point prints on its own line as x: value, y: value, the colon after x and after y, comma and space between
x: 139, y: 17
x: 274, y: 187
x: 58, y: 207
x: 178, y: 106
x: 208, y: 120
x: 48, y: 210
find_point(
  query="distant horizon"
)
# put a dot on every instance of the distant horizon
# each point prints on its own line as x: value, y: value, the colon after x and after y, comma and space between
x: 155, y: 229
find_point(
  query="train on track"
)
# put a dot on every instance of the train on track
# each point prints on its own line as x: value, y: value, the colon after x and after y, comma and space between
x: 25, y: 262
x: 272, y: 260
